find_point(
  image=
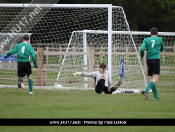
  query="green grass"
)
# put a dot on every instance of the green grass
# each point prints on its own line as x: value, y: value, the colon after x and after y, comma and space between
x: 17, y: 103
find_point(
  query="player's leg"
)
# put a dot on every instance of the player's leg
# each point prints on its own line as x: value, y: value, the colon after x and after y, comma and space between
x: 20, y: 82
x: 155, y: 79
x: 115, y: 87
x: 154, y: 70
x: 30, y: 84
x: 21, y: 74
x: 150, y: 84
x: 110, y: 89
x: 107, y: 91
x: 30, y: 81
x: 100, y: 85
x: 155, y: 94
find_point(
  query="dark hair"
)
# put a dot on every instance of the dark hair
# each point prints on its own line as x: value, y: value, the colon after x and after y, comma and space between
x: 103, y: 65
x: 154, y: 31
x: 26, y: 37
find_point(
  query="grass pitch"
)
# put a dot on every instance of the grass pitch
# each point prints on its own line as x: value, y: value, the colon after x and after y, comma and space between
x: 17, y: 103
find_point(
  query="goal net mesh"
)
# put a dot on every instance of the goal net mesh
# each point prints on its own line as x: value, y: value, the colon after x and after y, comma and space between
x: 58, y: 39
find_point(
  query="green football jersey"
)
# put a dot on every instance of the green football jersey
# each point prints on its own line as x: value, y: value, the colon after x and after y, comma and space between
x: 154, y: 45
x: 24, y: 51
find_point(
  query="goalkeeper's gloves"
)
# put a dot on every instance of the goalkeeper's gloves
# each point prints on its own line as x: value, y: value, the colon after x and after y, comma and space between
x: 35, y: 65
x: 77, y: 73
x: 5, y: 56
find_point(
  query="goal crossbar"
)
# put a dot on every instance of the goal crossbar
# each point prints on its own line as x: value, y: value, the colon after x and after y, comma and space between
x: 125, y: 32
x: 60, y: 5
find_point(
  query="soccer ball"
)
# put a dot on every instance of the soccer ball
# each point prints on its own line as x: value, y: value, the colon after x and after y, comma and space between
x: 58, y: 86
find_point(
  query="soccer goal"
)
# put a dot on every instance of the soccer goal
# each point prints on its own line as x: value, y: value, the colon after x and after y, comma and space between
x: 88, y: 48
x: 72, y: 38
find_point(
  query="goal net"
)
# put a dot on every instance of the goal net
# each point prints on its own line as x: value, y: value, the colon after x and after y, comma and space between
x: 72, y: 38
x: 88, y: 48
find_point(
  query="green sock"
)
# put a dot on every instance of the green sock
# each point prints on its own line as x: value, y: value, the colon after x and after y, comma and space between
x: 30, y: 83
x: 154, y: 90
x: 150, y: 85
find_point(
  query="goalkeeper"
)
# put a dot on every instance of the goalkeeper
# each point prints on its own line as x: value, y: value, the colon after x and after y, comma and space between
x: 103, y: 83
x: 24, y: 51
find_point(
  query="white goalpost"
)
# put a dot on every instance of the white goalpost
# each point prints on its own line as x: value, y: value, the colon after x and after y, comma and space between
x: 72, y: 38
x: 84, y: 43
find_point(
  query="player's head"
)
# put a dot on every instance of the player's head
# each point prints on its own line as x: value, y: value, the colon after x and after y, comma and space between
x: 154, y: 31
x: 26, y: 37
x: 102, y: 67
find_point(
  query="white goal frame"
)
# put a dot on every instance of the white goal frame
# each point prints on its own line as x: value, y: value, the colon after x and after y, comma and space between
x: 109, y: 51
x: 108, y: 6
x: 109, y: 31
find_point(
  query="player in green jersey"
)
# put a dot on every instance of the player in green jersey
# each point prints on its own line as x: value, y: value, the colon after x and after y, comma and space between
x: 153, y: 45
x: 24, y: 51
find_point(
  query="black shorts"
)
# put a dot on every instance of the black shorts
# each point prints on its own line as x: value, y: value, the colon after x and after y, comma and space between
x: 100, y: 87
x: 23, y: 69
x: 153, y: 66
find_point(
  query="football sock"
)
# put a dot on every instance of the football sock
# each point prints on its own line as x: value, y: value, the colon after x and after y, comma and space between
x: 150, y: 85
x: 30, y: 83
x: 154, y: 90
x: 20, y: 80
x: 102, y: 81
x: 100, y: 86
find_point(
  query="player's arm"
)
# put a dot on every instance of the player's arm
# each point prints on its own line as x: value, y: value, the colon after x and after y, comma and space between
x: 142, y: 48
x: 91, y: 74
x: 32, y: 52
x: 162, y: 46
x: 11, y: 52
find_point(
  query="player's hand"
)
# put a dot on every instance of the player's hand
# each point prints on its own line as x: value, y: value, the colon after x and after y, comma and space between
x: 5, y: 56
x: 35, y: 65
x: 141, y: 59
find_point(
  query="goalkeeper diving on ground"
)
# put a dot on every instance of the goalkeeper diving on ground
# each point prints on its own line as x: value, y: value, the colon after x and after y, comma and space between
x: 103, y: 83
